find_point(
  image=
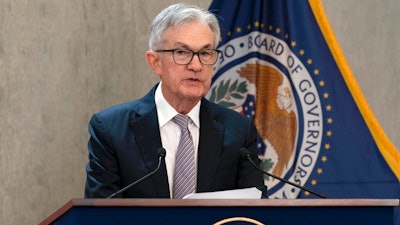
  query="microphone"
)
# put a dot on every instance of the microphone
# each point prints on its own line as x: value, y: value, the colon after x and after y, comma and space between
x: 161, y: 155
x: 246, y: 154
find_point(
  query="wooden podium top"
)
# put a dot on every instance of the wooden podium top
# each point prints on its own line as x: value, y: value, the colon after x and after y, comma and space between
x: 121, y: 202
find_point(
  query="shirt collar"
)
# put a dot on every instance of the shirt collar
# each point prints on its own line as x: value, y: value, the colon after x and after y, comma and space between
x: 166, y: 112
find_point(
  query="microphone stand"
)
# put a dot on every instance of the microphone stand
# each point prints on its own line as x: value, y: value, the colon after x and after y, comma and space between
x: 247, y: 155
x: 161, y: 156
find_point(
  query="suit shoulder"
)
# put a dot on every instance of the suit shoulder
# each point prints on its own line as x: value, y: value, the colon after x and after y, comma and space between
x: 133, y: 108
x: 122, y: 108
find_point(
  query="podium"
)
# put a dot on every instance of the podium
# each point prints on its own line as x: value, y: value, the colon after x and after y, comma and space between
x: 226, y: 211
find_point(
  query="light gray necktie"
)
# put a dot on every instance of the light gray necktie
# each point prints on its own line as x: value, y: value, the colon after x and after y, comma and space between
x: 185, y: 174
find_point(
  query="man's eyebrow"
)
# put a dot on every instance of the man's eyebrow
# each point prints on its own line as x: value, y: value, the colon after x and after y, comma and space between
x: 185, y: 46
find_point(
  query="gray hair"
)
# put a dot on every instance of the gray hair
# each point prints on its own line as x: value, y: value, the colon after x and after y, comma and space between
x: 180, y: 14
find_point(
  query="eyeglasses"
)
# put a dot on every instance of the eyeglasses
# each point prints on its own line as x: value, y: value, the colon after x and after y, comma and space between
x: 185, y: 56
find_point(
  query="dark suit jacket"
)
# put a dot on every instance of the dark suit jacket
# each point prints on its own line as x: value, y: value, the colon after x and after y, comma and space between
x: 125, y: 139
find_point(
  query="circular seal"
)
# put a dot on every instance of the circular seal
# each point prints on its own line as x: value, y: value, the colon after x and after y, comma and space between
x: 258, y: 75
x: 242, y: 220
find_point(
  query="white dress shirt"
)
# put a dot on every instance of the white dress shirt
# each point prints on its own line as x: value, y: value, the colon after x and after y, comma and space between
x: 171, y: 133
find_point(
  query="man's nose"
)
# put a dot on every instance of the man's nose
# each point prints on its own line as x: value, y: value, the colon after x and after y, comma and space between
x: 196, y: 62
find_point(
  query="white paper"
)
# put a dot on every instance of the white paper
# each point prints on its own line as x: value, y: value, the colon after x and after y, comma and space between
x: 246, y: 193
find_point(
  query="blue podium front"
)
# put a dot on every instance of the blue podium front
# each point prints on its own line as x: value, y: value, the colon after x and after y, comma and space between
x: 223, y: 211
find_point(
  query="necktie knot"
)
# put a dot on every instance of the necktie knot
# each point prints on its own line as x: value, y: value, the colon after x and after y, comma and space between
x: 182, y: 121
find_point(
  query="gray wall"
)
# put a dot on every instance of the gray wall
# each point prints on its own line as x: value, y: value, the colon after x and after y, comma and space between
x: 61, y: 61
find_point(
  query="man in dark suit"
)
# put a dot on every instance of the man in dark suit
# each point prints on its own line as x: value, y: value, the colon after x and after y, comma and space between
x: 125, y: 139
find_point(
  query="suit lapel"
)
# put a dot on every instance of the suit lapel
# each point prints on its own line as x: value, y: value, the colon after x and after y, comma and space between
x: 147, y: 136
x: 210, y: 146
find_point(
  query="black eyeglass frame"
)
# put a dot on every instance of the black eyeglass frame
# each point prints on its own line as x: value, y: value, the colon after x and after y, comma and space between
x: 193, y: 53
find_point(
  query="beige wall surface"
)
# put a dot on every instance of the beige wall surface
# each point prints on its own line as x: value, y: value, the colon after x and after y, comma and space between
x: 61, y: 61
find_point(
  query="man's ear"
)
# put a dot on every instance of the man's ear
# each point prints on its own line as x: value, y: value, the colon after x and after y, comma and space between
x: 153, y: 59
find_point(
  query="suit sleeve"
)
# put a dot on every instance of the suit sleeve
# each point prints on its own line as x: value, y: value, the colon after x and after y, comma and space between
x: 102, y: 171
x: 248, y: 175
